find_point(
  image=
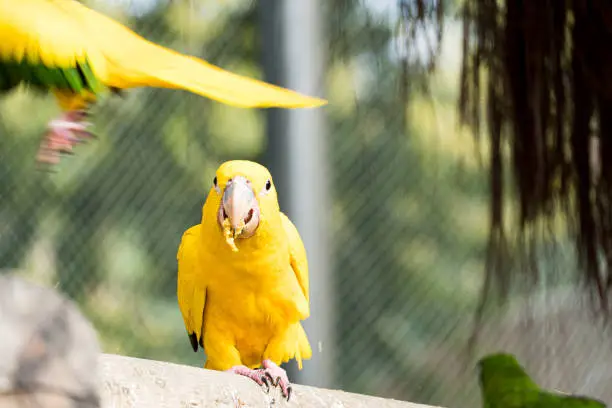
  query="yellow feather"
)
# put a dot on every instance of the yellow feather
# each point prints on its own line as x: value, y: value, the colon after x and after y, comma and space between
x: 133, y: 61
x: 191, y: 298
x: 70, y: 101
x: 255, y: 298
x: 60, y: 33
x: 40, y: 31
x: 297, y: 253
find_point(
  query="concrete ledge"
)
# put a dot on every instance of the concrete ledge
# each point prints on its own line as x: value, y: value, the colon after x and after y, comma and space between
x: 136, y: 383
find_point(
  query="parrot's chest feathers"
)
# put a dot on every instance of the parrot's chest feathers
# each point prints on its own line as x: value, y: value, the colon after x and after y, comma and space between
x: 254, y: 295
x: 251, y: 313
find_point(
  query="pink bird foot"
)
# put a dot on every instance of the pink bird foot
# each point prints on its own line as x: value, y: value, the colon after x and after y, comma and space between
x: 278, y: 377
x: 257, y: 375
x: 65, y: 132
x: 270, y: 374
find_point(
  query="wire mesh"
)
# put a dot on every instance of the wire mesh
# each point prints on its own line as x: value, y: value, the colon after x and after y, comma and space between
x: 409, y: 209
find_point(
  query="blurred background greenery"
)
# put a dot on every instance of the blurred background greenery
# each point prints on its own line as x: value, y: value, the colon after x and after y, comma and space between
x: 409, y: 219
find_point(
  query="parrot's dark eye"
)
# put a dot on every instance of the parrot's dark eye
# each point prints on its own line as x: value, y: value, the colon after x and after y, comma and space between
x: 215, y: 181
x: 268, y: 185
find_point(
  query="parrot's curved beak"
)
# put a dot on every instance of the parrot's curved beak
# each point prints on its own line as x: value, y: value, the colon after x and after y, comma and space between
x: 239, y: 206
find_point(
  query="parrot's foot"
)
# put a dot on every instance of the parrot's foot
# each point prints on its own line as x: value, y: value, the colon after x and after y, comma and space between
x: 63, y: 134
x: 259, y: 376
x: 271, y: 374
x: 278, y: 377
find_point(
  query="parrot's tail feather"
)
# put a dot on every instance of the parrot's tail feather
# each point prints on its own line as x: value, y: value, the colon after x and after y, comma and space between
x: 172, y: 70
x: 304, y: 351
x: 132, y: 61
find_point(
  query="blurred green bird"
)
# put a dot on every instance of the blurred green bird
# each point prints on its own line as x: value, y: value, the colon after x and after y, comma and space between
x: 505, y: 384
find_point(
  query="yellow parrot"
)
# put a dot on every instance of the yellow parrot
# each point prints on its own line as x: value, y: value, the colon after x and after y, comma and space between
x: 77, y: 53
x: 243, y: 279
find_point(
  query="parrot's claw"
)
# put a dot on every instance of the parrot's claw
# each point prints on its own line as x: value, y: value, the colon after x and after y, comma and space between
x: 258, y: 375
x: 278, y: 377
x: 62, y: 135
x: 271, y: 374
x: 265, y: 380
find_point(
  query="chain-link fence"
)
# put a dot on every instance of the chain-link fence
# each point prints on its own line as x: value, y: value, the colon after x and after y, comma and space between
x: 409, y: 219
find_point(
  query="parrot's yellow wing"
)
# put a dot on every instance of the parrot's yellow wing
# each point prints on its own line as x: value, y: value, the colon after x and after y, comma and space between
x: 299, y: 264
x: 297, y: 252
x: 134, y: 62
x: 191, y: 295
x: 43, y: 44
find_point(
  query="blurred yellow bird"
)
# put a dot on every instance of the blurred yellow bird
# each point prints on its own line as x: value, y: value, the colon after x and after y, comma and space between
x: 75, y: 52
x: 243, y: 278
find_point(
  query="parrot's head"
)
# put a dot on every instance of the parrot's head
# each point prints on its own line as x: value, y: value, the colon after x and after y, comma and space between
x: 501, y: 367
x: 245, y: 196
x: 499, y: 360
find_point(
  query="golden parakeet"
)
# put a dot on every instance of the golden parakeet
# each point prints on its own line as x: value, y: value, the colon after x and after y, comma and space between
x: 75, y: 52
x: 243, y: 278
x: 505, y: 384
